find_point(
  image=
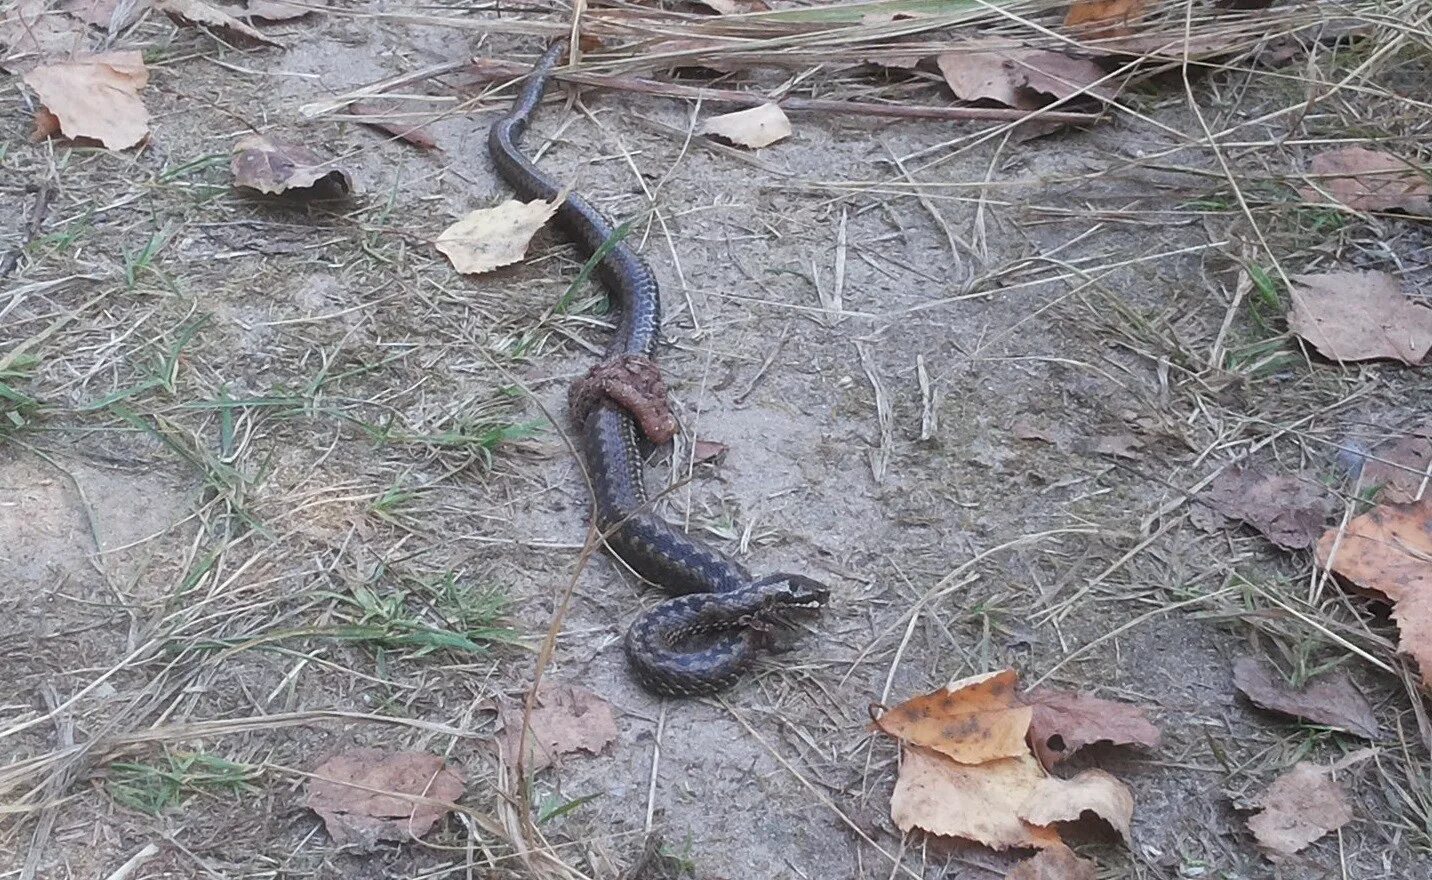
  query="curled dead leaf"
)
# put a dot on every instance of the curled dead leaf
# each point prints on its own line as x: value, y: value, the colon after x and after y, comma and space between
x: 1064, y: 800
x: 1063, y: 723
x: 1054, y: 863
x: 971, y: 720
x: 383, y: 120
x: 978, y: 802
x: 1369, y: 180
x: 1331, y: 699
x: 565, y: 719
x: 367, y: 795
x: 755, y: 127
x: 273, y: 166
x: 708, y: 450
x: 1357, y: 316
x: 1389, y: 550
x: 96, y: 96
x: 489, y: 238
x: 1298, y: 808
x: 200, y: 14
x: 1287, y: 510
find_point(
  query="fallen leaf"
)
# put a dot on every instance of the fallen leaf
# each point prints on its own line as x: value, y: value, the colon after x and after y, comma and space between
x: 1358, y: 316
x: 1054, y: 863
x: 416, y: 135
x: 565, y: 719
x: 972, y: 720
x: 1298, y: 808
x: 491, y: 237
x: 1368, y: 180
x: 755, y: 128
x: 1331, y: 699
x: 96, y: 96
x: 31, y: 30
x: 273, y: 166
x: 1064, y: 437
x: 1063, y: 723
x: 100, y: 13
x: 978, y: 802
x: 1389, y: 550
x: 1289, y: 511
x: 1064, y: 800
x: 47, y: 125
x: 367, y: 795
x: 271, y: 10
x: 1103, y: 18
x: 1017, y: 78
x: 203, y: 15
x: 1402, y: 469
x: 708, y: 450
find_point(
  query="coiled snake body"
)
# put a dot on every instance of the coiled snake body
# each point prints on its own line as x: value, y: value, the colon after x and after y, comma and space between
x: 717, y: 600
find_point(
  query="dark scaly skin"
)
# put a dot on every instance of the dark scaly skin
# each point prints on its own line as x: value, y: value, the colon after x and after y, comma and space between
x: 717, y: 598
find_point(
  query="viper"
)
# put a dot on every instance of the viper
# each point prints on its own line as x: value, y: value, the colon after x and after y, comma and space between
x: 720, y: 617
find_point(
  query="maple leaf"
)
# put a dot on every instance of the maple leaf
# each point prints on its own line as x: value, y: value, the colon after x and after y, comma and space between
x: 565, y: 719
x: 1358, y: 316
x: 971, y: 720
x: 1389, y: 550
x: 1331, y: 699
x: 367, y: 795
x: 1298, y: 808
x: 1063, y: 723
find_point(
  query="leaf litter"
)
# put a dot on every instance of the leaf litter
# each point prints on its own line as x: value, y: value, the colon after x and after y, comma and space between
x: 565, y: 719
x: 1401, y: 470
x: 1368, y: 180
x: 1358, y: 316
x: 1287, y: 510
x: 1054, y: 863
x: 1063, y: 723
x: 1330, y: 699
x: 968, y: 770
x: 755, y: 127
x: 202, y: 15
x: 1301, y: 806
x: 1389, y: 550
x: 366, y: 795
x: 273, y: 166
x: 94, y: 97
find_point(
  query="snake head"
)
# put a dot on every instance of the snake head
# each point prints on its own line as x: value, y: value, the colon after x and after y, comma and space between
x: 784, y: 593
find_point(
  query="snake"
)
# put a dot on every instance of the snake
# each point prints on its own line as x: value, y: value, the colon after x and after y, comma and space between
x: 720, y: 618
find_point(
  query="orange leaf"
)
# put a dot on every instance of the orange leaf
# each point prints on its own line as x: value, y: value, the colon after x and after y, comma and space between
x: 979, y: 803
x: 1103, y: 18
x: 972, y: 720
x: 1389, y: 549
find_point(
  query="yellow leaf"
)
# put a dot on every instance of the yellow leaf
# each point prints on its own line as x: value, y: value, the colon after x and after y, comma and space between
x: 972, y: 720
x: 491, y: 237
x: 979, y: 803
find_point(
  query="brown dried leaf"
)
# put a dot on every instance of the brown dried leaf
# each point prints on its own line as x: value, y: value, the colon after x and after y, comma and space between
x: 971, y: 720
x: 565, y: 719
x: 1054, y: 863
x: 985, y: 76
x: 1298, y: 808
x: 416, y: 135
x: 1064, y: 723
x: 1331, y: 699
x: 1122, y: 445
x: 1061, y: 76
x: 96, y: 96
x: 201, y: 14
x: 1065, y: 800
x: 708, y: 450
x: 755, y: 127
x: 979, y: 802
x: 367, y: 795
x: 272, y: 10
x: 1402, y: 469
x: 1358, y: 316
x: 272, y: 166
x: 1103, y: 18
x: 1389, y: 550
x: 1368, y: 180
x: 491, y: 237
x: 1288, y: 511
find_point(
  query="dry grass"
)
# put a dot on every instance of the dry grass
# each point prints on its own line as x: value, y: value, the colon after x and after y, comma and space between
x: 376, y: 521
